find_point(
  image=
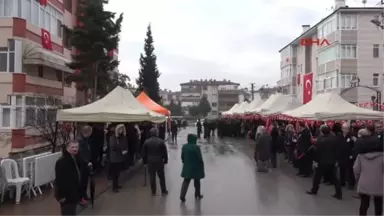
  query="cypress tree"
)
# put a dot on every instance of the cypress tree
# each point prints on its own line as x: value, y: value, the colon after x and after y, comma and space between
x: 148, y: 72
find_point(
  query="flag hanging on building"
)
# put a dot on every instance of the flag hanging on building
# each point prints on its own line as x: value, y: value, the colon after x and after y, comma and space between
x: 44, y: 2
x: 46, y: 41
x: 307, y: 87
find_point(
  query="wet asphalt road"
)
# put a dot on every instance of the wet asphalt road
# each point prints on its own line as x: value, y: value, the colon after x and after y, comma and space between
x: 231, y: 187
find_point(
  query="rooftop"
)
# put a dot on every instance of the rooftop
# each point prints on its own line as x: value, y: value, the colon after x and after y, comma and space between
x: 341, y: 9
x: 209, y: 82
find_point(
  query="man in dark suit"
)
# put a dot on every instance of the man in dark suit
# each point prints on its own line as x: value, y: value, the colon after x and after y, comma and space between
x: 325, y: 157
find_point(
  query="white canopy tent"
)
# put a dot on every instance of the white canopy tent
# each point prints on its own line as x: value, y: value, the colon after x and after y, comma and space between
x: 241, y: 108
x: 281, y: 104
x: 228, y: 112
x: 266, y: 105
x: 117, y: 106
x: 331, y: 106
x: 257, y: 101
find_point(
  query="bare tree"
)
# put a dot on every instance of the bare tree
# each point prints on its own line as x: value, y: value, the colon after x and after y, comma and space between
x: 42, y: 120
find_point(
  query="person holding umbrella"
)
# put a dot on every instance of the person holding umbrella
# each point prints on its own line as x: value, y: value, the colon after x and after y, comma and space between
x: 117, y: 150
x: 67, y: 179
x: 193, y: 167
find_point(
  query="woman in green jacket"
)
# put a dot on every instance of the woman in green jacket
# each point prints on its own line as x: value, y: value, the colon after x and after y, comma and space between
x: 193, y: 167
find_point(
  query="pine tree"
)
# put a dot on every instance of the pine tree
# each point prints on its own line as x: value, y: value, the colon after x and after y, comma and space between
x: 94, y: 37
x: 149, y: 73
x: 204, y: 106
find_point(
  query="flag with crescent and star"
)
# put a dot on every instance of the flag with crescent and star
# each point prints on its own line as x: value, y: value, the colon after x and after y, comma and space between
x: 46, y: 41
x: 307, y: 87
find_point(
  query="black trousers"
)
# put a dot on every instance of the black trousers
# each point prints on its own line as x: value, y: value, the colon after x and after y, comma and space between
x: 305, y: 165
x: 68, y: 209
x: 185, y: 185
x: 174, y: 136
x: 115, y: 174
x: 346, y: 174
x: 365, y: 201
x: 84, y: 183
x: 156, y: 169
x: 322, y: 170
x: 274, y: 159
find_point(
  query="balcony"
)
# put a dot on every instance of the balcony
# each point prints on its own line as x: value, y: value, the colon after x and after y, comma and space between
x: 191, y: 90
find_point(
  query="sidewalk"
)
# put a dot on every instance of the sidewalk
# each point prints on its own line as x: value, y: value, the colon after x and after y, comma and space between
x: 46, y: 204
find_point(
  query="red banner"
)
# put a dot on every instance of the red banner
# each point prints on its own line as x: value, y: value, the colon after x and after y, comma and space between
x: 44, y: 2
x: 46, y: 41
x: 307, y: 88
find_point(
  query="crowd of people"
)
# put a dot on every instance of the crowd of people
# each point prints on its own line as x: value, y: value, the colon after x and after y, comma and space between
x: 343, y: 154
x: 115, y: 147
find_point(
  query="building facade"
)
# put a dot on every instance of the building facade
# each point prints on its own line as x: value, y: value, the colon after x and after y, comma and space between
x: 34, y: 50
x: 167, y: 96
x: 222, y: 94
x: 352, y: 48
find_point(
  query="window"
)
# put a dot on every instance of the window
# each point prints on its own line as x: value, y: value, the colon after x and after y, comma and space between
x: 348, y: 51
x: 375, y: 80
x: 328, y: 54
x: 40, y: 71
x: 328, y: 80
x: 6, y: 117
x: 39, y: 110
x: 46, y: 17
x: 348, y: 22
x: 375, y: 50
x: 214, y: 104
x: 345, y: 80
x: 7, y: 57
x: 3, y: 62
x: 59, y: 75
x: 7, y: 8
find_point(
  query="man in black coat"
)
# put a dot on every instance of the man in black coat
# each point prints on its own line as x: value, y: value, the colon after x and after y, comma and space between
x: 86, y: 162
x: 304, y: 152
x: 155, y: 156
x: 325, y: 157
x: 67, y: 179
x: 274, y: 145
x: 345, y: 157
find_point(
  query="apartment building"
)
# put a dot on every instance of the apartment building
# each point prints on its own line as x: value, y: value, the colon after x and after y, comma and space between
x: 350, y: 46
x: 167, y: 96
x: 220, y: 93
x: 34, y: 50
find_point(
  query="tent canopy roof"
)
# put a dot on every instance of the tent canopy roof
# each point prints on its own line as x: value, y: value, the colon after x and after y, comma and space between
x: 119, y: 105
x: 241, y: 108
x: 228, y: 112
x: 152, y: 105
x: 281, y: 104
x: 331, y: 106
x: 254, y: 104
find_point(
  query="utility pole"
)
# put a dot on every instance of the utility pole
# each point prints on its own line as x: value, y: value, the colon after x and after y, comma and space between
x: 253, y: 90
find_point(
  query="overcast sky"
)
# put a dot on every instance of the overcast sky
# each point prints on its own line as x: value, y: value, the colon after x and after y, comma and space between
x: 219, y: 39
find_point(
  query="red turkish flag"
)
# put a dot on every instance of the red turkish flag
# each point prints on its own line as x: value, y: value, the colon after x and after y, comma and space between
x: 46, y: 39
x: 44, y: 2
x: 307, y: 88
